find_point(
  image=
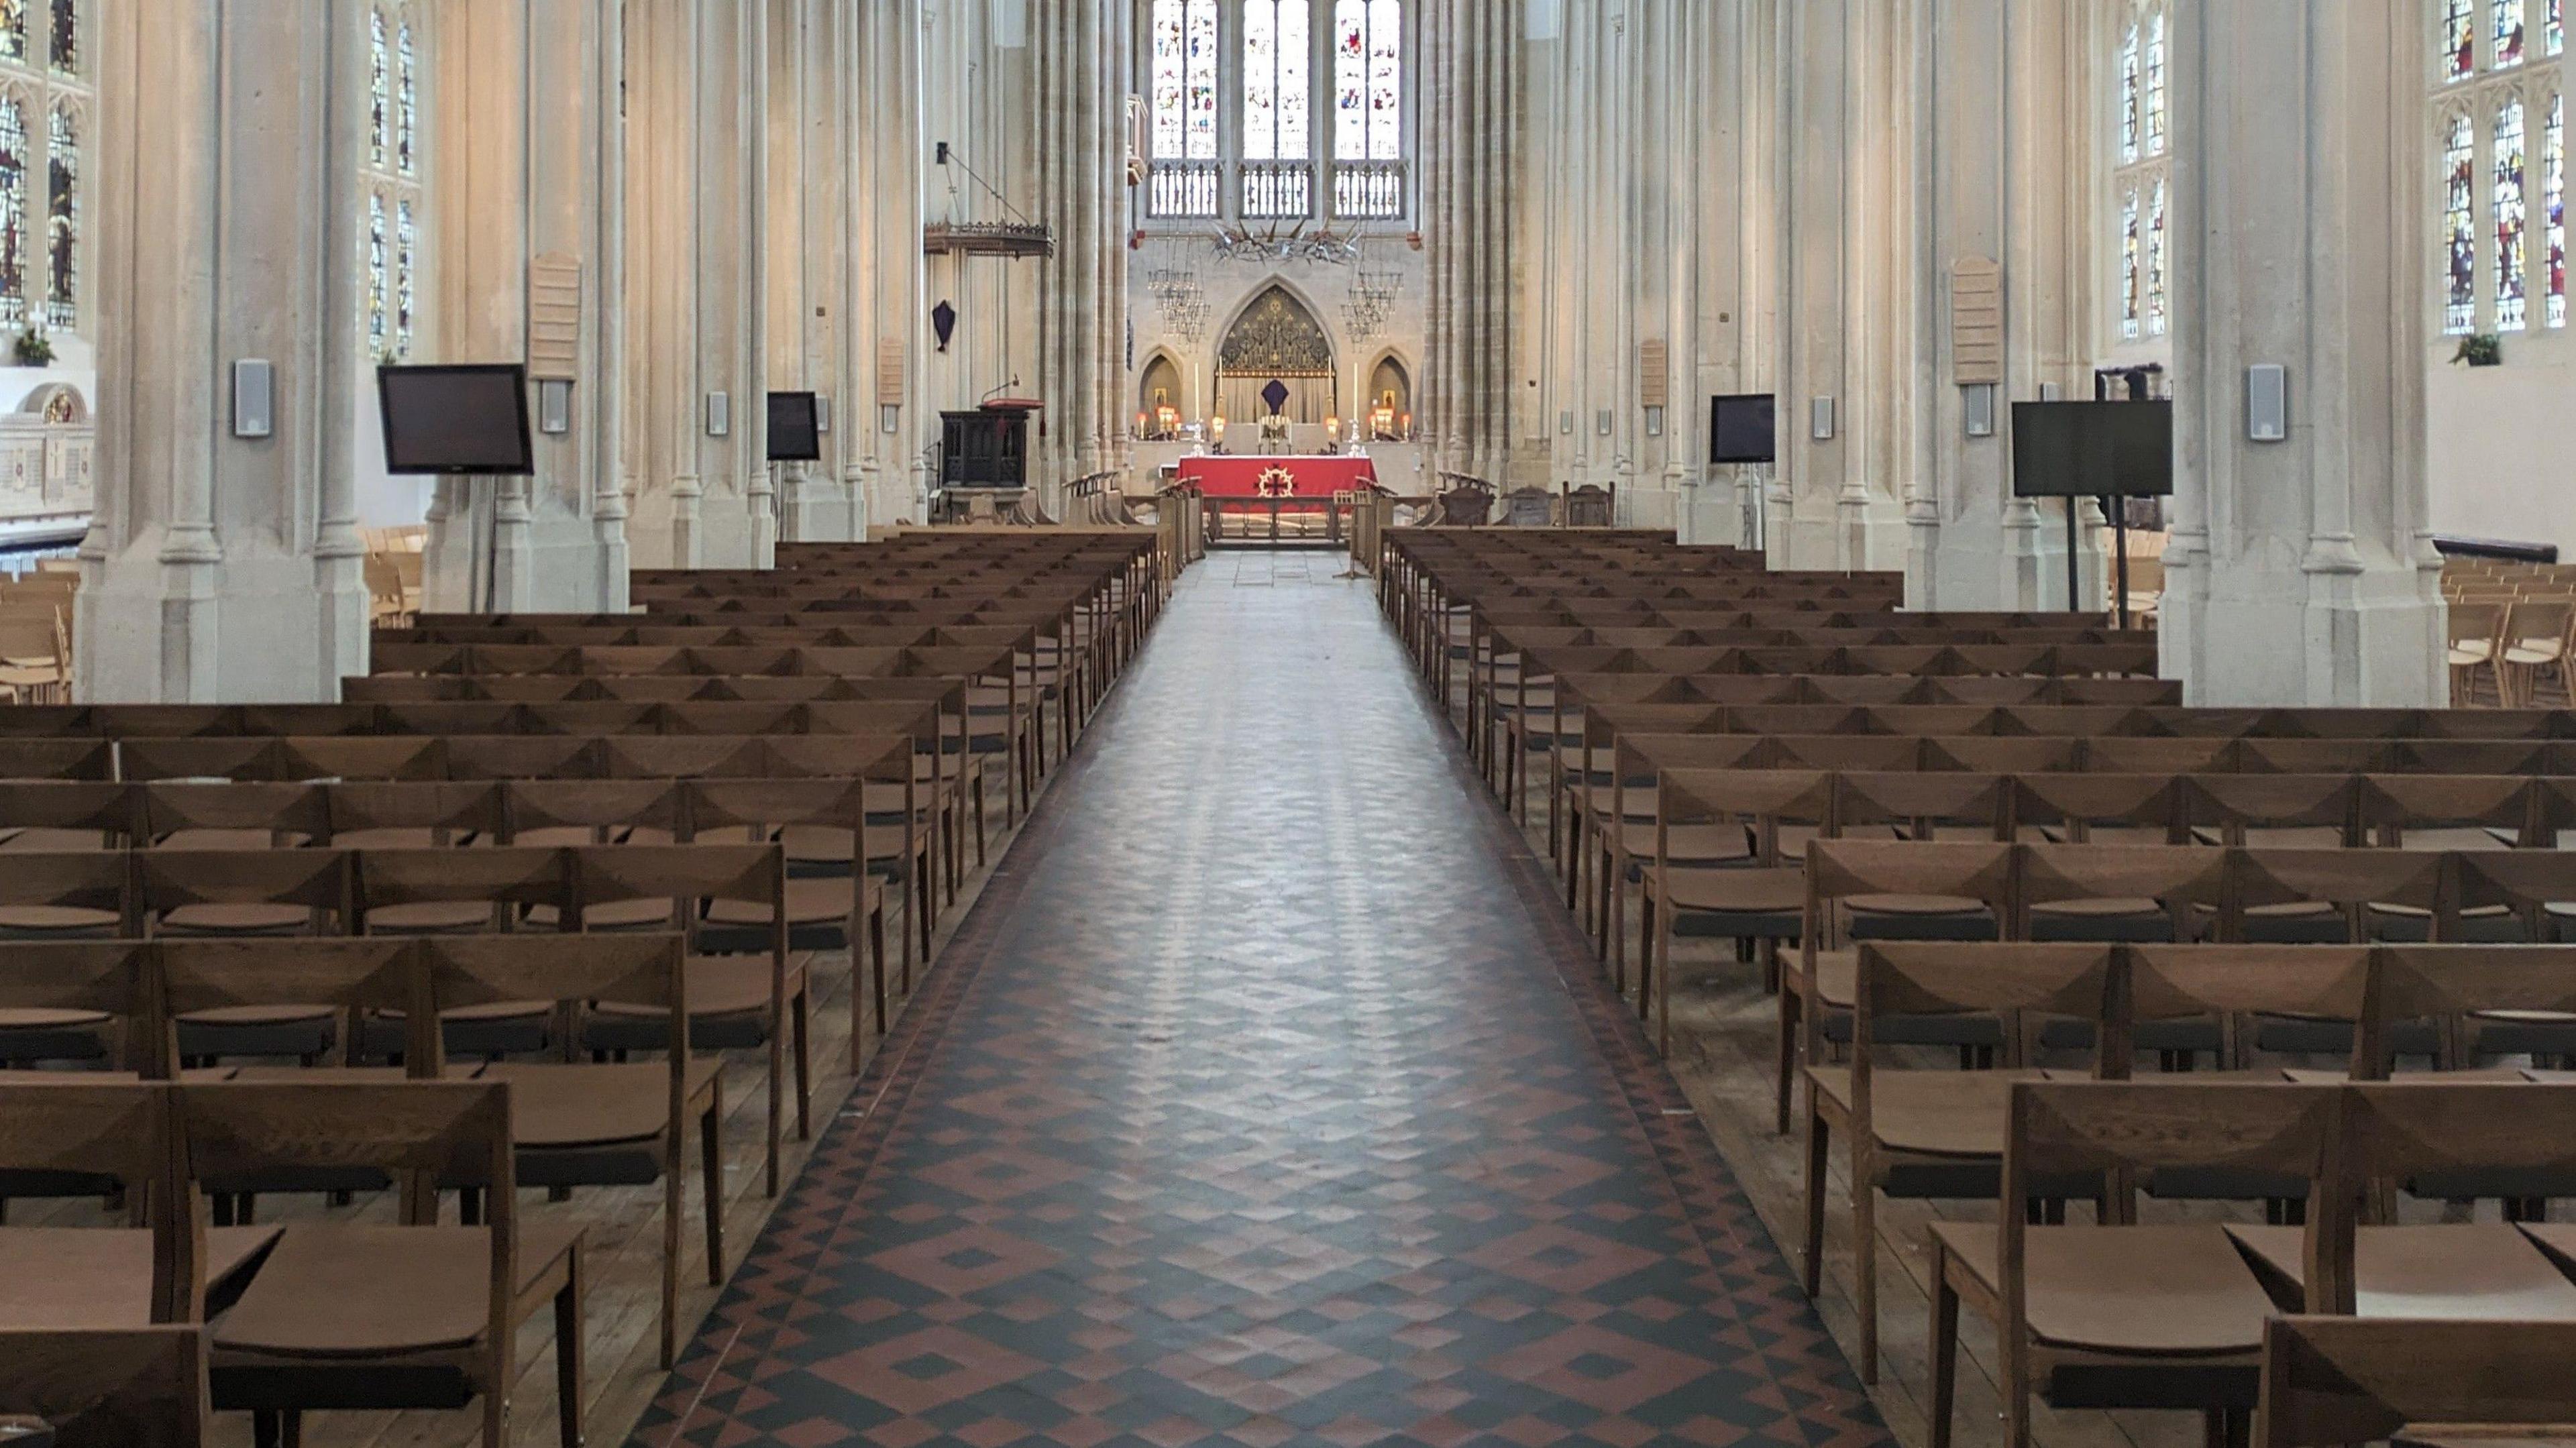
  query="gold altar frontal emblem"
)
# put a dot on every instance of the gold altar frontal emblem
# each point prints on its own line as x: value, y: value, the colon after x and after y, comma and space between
x: 1275, y: 482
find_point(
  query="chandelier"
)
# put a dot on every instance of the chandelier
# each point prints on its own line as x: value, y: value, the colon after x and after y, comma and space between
x: 1270, y: 247
x: 1372, y: 296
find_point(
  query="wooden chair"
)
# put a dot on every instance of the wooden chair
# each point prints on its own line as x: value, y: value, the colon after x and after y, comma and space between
x: 2476, y: 639
x: 125, y: 1387
x: 1469, y: 504
x: 845, y: 913
x: 365, y: 1317
x: 1531, y: 507
x: 738, y: 1002
x: 35, y: 656
x: 2122, y: 1315
x: 1591, y: 506
x: 1933, y: 1134
x: 2535, y: 642
x: 245, y: 892
x: 2337, y: 1380
x: 111, y: 1134
x: 2414, y: 1133
x: 600, y: 1124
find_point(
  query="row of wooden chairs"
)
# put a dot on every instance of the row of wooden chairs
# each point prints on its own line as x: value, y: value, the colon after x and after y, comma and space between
x: 1922, y: 1133
x: 311, y: 1316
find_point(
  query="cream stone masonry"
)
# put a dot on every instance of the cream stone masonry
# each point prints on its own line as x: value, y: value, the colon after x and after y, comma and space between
x: 220, y: 567
x: 531, y: 179
x: 2301, y: 571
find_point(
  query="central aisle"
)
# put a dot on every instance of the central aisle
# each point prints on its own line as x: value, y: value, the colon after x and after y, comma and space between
x: 1250, y: 1107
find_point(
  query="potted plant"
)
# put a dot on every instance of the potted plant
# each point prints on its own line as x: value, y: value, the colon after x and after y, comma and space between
x: 34, y: 349
x: 2480, y: 349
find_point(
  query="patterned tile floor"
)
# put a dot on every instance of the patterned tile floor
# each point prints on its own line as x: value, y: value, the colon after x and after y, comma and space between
x: 1265, y: 1100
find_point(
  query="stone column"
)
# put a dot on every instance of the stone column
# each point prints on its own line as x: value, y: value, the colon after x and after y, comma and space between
x: 810, y: 226
x: 1843, y: 196
x: 2001, y: 125
x: 1471, y: 77
x: 881, y: 340
x: 219, y: 567
x: 2301, y: 571
x: 530, y: 215
x: 1080, y: 154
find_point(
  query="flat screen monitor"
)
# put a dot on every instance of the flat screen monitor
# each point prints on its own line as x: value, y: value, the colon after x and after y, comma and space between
x: 456, y: 420
x: 2092, y: 449
x: 795, y: 428
x: 1741, y: 429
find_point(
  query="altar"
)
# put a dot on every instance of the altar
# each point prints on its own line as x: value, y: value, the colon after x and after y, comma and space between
x: 1290, y: 476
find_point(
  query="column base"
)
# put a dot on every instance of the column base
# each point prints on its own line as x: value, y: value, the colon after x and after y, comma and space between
x: 2246, y: 637
x: 251, y: 627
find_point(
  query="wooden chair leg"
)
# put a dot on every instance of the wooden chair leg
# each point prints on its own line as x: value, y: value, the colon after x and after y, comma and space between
x: 802, y: 1020
x: 1945, y: 1349
x: 711, y: 1191
x: 568, y: 1354
x: 1785, y: 1067
x: 1819, y: 1146
x: 1865, y: 1266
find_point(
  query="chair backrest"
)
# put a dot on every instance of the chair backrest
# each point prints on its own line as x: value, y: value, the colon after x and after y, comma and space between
x: 1529, y: 508
x: 506, y: 876
x: 2397, y: 1130
x: 317, y: 879
x: 1589, y: 506
x: 352, y: 975
x: 631, y: 969
x: 115, y: 1131
x: 108, y: 977
x: 2336, y: 1380
x: 2476, y: 621
x: 2232, y: 982
x: 1926, y: 978
x: 130, y: 1387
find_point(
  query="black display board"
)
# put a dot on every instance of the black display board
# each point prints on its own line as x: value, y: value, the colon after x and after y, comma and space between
x: 1743, y: 428
x: 456, y: 420
x: 795, y: 428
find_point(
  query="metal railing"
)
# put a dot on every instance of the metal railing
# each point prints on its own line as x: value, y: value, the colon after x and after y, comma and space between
x: 1368, y: 190
x: 1184, y: 190
x: 1278, y: 190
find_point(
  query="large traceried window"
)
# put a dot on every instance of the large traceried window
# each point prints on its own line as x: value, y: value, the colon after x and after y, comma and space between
x: 2459, y: 226
x: 2139, y: 186
x: 45, y: 106
x: 395, y: 187
x: 1368, y: 108
x: 2490, y: 98
x: 1184, y: 109
x: 1278, y: 109
x: 1276, y: 90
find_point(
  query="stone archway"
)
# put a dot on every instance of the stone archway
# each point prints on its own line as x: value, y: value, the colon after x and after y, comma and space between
x: 1276, y: 350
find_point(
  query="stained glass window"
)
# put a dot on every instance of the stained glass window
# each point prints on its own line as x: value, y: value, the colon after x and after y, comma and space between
x: 1277, y: 102
x: 2156, y: 84
x: 406, y: 97
x: 13, y: 210
x: 1171, y: 49
x: 13, y: 29
x: 2508, y: 32
x: 1202, y: 80
x: 1368, y: 80
x: 378, y: 282
x: 2553, y: 200
x: 2459, y: 54
x: 2131, y: 103
x: 1260, y: 79
x: 2459, y: 227
x: 2557, y: 27
x: 2129, y: 284
x: 66, y: 52
x: 406, y: 258
x: 380, y: 90
x: 2509, y: 201
x: 2156, y: 261
x: 63, y: 220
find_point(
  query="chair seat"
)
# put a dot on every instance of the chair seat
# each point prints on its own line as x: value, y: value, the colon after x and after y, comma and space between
x: 811, y: 900
x: 101, y: 1277
x: 1738, y: 891
x: 1896, y: 904
x: 718, y: 985
x: 347, y: 1290
x: 2107, y: 907
x: 646, y: 914
x: 44, y: 837
x: 1930, y: 1113
x: 2178, y: 1290
x: 2469, y: 1270
x: 265, y: 1015
x: 237, y: 918
x: 2464, y: 655
x: 553, y: 1104
x: 1702, y: 845
x: 39, y: 1018
x: 55, y: 920
x: 428, y: 916
x: 2532, y: 652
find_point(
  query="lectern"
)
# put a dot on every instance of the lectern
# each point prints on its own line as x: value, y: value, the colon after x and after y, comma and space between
x: 988, y: 447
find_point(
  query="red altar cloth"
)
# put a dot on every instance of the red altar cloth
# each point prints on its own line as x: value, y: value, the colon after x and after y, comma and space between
x: 1239, y: 477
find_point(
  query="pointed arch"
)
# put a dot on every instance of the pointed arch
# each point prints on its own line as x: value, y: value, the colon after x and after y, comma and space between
x: 1163, y: 382
x: 1277, y: 337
